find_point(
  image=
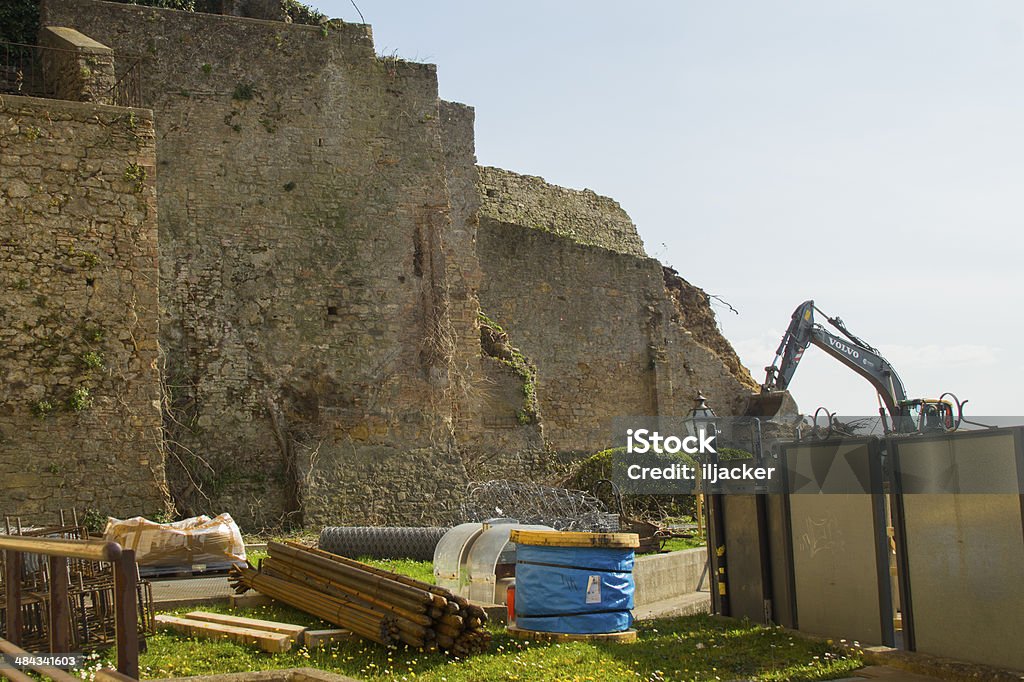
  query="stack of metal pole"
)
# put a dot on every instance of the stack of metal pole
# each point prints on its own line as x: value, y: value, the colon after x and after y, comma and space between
x: 375, y: 604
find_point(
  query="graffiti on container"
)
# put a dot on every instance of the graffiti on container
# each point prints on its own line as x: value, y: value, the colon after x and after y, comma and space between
x: 821, y: 535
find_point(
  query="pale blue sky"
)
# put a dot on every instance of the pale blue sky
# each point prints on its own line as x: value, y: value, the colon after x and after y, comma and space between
x: 869, y: 155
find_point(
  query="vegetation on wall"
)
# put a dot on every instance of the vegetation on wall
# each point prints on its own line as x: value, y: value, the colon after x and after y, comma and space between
x: 19, y: 19
x: 495, y: 343
x: 302, y: 14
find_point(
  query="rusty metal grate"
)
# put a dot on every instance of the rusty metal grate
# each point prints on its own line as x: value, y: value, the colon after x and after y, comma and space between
x: 127, y: 91
x: 21, y: 70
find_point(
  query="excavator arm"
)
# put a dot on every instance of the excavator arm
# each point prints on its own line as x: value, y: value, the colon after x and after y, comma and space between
x: 851, y: 351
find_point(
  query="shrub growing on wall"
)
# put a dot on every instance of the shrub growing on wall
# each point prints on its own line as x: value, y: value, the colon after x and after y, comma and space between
x: 19, y: 19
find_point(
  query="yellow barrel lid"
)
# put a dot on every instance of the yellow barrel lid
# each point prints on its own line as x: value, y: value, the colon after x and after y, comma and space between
x: 555, y: 538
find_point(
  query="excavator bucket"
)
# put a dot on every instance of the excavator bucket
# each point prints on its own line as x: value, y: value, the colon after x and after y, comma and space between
x: 768, y: 405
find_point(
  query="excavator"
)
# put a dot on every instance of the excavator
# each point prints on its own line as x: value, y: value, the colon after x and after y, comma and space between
x: 900, y: 414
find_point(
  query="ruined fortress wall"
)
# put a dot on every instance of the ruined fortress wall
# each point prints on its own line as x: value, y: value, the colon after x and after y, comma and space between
x: 607, y: 336
x: 79, y: 385
x: 579, y: 215
x: 493, y: 438
x: 306, y: 257
x: 323, y: 242
x: 579, y: 312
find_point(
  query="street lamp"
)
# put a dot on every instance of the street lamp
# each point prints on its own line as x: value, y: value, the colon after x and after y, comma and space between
x: 702, y: 419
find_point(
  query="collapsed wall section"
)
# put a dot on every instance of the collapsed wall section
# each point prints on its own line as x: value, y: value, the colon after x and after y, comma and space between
x: 579, y: 215
x: 306, y: 265
x: 79, y: 385
x: 497, y: 427
x: 607, y: 336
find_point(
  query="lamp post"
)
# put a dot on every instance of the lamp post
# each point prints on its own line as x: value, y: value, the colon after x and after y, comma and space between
x: 703, y: 420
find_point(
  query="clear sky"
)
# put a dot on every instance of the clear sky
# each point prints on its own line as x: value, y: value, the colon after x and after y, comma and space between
x: 866, y: 154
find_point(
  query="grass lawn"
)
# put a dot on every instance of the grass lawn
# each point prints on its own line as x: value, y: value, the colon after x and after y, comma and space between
x: 421, y: 570
x: 690, y: 648
x: 675, y: 544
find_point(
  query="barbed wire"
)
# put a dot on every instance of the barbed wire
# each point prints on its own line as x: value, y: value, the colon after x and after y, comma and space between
x: 531, y: 503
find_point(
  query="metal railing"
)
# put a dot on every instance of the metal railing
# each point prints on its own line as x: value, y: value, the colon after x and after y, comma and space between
x: 127, y: 91
x: 21, y: 70
x: 58, y: 552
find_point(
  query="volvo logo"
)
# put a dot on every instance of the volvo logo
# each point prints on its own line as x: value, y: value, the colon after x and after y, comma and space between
x: 849, y: 350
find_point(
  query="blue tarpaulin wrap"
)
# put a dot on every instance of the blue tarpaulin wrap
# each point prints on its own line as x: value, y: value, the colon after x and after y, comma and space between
x: 581, y: 590
x: 584, y: 624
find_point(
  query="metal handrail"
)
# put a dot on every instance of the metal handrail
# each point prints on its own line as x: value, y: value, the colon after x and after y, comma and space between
x: 89, y: 550
x: 58, y: 550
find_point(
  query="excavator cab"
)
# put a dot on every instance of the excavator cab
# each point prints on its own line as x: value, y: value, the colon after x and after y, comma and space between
x: 924, y: 415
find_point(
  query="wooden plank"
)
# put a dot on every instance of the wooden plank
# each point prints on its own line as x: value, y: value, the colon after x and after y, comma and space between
x: 624, y: 637
x: 12, y: 583
x: 314, y: 639
x: 293, y: 631
x: 554, y: 538
x: 108, y: 675
x: 54, y: 674
x: 15, y: 675
x: 273, y: 642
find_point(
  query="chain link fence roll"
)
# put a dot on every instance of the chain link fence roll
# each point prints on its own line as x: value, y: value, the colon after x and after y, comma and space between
x: 382, y: 542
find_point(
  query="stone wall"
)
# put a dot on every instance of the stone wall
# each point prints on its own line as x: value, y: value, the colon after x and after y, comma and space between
x: 495, y: 439
x: 79, y: 385
x: 606, y: 335
x: 579, y: 215
x: 317, y: 292
x: 322, y: 227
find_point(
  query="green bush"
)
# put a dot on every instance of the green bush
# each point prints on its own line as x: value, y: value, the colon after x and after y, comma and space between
x: 19, y: 21
x: 586, y: 473
x: 302, y: 14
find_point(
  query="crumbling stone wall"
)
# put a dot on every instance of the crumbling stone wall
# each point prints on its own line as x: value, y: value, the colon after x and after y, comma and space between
x: 607, y: 336
x: 79, y: 386
x: 317, y: 295
x: 321, y: 228
x: 579, y: 215
x: 496, y: 438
